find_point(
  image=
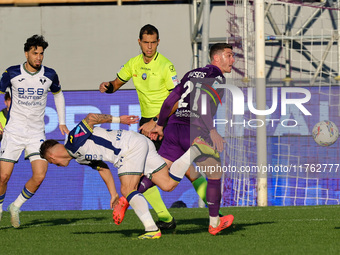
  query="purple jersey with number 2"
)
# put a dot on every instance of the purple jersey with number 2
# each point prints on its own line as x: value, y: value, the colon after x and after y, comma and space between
x: 197, y: 104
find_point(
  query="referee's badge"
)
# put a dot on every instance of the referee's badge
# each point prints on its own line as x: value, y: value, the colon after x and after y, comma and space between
x: 144, y: 76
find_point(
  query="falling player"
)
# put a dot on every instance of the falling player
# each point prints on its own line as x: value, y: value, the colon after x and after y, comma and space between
x: 132, y: 154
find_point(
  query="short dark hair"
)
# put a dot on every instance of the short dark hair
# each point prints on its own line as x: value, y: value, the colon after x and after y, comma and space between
x: 149, y: 30
x: 217, y: 47
x: 7, y: 96
x: 47, y: 145
x: 35, y: 41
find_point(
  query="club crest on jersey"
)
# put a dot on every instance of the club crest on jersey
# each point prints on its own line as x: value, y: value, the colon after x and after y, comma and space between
x: 144, y: 76
x: 175, y: 80
x: 42, y: 80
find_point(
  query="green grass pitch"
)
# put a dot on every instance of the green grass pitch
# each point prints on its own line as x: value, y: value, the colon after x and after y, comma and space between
x: 269, y: 230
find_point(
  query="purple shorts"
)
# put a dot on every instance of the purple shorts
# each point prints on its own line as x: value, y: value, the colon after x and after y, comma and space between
x: 176, y: 141
x: 196, y: 131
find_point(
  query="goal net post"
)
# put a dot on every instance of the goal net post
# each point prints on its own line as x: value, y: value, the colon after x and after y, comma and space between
x: 294, y: 44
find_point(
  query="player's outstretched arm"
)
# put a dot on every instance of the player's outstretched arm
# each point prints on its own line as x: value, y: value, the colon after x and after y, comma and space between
x: 129, y: 119
x: 111, y: 86
x: 107, y: 177
x: 95, y: 118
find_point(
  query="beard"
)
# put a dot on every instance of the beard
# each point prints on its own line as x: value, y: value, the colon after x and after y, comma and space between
x: 33, y: 65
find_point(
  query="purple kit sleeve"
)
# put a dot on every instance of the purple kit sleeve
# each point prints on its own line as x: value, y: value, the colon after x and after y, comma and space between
x: 167, y: 106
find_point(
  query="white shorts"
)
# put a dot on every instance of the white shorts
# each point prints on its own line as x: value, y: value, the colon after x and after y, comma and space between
x: 140, y: 158
x: 13, y: 145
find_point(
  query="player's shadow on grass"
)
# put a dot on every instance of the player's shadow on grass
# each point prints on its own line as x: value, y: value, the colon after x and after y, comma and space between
x: 203, y: 224
x: 125, y: 232
x: 196, y: 226
x: 5, y: 227
x: 60, y: 221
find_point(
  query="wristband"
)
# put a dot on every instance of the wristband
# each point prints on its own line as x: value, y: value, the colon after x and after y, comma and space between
x: 115, y: 119
x: 109, y: 88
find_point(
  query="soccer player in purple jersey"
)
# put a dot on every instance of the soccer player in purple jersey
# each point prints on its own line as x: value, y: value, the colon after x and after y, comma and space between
x: 188, y: 123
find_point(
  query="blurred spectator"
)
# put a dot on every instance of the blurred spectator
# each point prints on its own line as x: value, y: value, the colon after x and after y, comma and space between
x: 4, y: 112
